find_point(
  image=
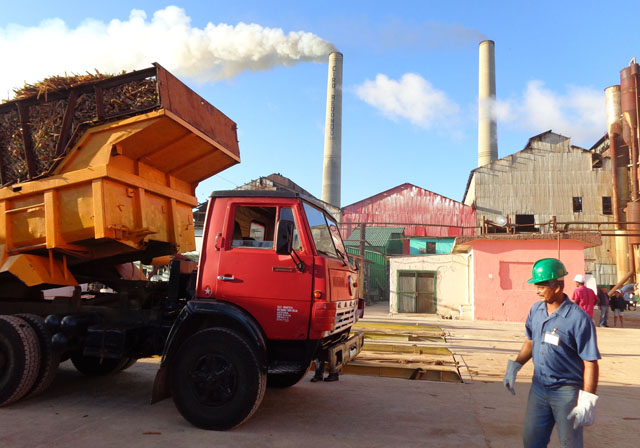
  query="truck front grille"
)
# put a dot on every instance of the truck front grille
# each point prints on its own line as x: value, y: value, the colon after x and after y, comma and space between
x: 345, y: 315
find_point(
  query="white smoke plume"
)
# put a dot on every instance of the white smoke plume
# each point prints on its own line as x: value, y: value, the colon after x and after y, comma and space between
x: 412, y: 98
x: 212, y: 53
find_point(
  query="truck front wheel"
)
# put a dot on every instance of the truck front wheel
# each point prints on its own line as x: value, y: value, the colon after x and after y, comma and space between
x: 216, y: 379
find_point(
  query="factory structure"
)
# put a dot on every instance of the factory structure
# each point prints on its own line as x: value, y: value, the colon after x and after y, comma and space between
x: 426, y: 253
x: 550, y: 178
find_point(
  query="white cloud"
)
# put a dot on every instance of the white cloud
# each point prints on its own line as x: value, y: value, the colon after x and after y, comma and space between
x: 578, y: 113
x: 411, y: 98
x: 215, y: 52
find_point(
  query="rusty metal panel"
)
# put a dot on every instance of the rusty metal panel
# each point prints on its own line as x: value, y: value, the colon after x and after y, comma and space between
x: 191, y: 107
x: 629, y: 100
x: 421, y: 212
x: 633, y: 216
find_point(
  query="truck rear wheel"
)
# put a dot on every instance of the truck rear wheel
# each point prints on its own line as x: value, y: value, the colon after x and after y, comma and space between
x: 284, y: 380
x: 93, y: 366
x: 216, y: 379
x: 19, y: 359
x: 49, y: 359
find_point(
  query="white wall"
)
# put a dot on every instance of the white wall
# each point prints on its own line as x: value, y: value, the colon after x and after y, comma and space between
x: 452, y: 280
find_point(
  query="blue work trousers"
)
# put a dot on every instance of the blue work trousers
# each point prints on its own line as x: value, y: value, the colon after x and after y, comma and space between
x: 548, y: 407
x: 604, y: 313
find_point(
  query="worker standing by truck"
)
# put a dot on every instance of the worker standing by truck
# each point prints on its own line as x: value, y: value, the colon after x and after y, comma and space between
x: 561, y: 339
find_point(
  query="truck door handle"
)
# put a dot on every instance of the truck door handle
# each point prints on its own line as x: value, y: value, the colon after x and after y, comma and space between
x: 217, y: 241
x: 226, y: 279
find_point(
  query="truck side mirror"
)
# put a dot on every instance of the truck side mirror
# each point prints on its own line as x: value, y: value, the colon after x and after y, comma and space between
x: 284, y: 237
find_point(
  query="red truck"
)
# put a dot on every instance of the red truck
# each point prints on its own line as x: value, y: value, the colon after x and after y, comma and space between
x: 274, y: 291
x: 113, y: 183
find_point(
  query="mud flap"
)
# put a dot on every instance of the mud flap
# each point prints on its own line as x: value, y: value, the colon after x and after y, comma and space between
x: 161, y: 389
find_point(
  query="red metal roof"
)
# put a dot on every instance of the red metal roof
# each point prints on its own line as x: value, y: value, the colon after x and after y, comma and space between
x: 406, y: 204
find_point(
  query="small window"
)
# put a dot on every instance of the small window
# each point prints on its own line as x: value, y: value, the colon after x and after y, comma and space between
x: 606, y: 205
x: 525, y: 224
x: 577, y: 204
x: 287, y: 213
x: 254, y: 227
x: 431, y: 247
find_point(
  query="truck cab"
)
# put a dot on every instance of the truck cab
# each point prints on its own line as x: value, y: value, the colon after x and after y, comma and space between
x: 307, y: 293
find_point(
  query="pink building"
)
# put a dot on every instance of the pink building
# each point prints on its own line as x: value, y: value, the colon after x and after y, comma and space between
x: 501, y: 265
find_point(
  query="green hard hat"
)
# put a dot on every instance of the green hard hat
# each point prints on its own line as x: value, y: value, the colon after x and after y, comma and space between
x: 547, y: 269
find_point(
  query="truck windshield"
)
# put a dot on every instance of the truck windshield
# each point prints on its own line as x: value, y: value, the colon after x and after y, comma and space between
x: 324, y: 231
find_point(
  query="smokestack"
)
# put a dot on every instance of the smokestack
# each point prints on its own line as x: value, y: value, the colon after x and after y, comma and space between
x: 487, y: 129
x: 333, y: 133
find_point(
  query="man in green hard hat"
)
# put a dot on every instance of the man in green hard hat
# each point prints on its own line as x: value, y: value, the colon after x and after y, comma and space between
x: 561, y: 339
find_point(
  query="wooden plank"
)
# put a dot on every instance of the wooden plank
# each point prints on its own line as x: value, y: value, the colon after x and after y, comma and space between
x: 51, y: 211
x: 98, y: 208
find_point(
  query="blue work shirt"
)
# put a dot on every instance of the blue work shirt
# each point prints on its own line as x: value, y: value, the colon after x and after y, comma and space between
x: 562, y: 364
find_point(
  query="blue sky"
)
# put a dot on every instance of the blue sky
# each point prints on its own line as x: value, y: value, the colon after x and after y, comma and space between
x: 410, y: 75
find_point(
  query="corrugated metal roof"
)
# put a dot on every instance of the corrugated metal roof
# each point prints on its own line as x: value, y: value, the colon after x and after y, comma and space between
x: 420, y: 211
x: 376, y: 236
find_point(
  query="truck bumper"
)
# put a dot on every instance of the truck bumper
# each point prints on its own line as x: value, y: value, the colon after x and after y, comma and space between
x: 343, y: 352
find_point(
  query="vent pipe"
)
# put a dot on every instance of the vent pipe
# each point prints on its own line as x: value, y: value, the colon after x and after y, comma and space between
x: 487, y: 128
x: 619, y: 178
x: 333, y: 133
x: 629, y: 107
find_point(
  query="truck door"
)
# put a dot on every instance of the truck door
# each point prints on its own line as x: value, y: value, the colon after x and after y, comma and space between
x: 253, y: 276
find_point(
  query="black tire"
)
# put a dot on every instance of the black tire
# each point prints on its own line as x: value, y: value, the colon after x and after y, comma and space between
x: 49, y: 359
x: 19, y: 359
x: 216, y: 379
x: 284, y: 380
x: 93, y: 366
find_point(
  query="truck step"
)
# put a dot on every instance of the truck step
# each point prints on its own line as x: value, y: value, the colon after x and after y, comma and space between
x: 281, y: 367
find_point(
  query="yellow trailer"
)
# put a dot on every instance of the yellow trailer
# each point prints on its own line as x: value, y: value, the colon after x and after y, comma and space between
x: 119, y: 187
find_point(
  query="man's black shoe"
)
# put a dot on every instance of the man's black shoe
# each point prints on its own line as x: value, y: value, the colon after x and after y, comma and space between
x: 332, y: 377
x: 316, y: 378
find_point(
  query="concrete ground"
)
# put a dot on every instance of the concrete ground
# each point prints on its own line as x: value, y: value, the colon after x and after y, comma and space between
x: 357, y: 411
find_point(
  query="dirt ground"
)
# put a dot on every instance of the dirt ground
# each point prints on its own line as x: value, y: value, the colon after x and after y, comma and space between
x: 357, y: 411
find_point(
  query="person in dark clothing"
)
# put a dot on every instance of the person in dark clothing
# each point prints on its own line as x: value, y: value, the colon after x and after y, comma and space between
x: 319, y: 365
x: 617, y: 306
x: 603, y: 304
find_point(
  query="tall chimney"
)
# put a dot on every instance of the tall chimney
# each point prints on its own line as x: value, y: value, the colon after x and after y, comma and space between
x: 487, y: 129
x: 333, y: 133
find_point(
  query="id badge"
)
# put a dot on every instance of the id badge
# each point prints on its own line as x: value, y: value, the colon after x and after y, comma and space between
x: 551, y: 338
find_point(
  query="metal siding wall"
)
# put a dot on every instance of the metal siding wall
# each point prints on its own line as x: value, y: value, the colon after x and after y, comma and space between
x: 378, y: 276
x: 542, y: 180
x: 443, y: 246
x: 410, y: 204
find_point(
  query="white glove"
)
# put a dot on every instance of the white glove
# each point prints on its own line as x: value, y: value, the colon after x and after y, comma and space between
x: 510, y: 376
x: 585, y: 410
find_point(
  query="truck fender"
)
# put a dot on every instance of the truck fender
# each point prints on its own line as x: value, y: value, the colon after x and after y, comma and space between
x: 198, y: 315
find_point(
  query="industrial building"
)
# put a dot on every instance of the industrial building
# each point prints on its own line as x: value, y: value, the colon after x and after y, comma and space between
x: 549, y: 178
